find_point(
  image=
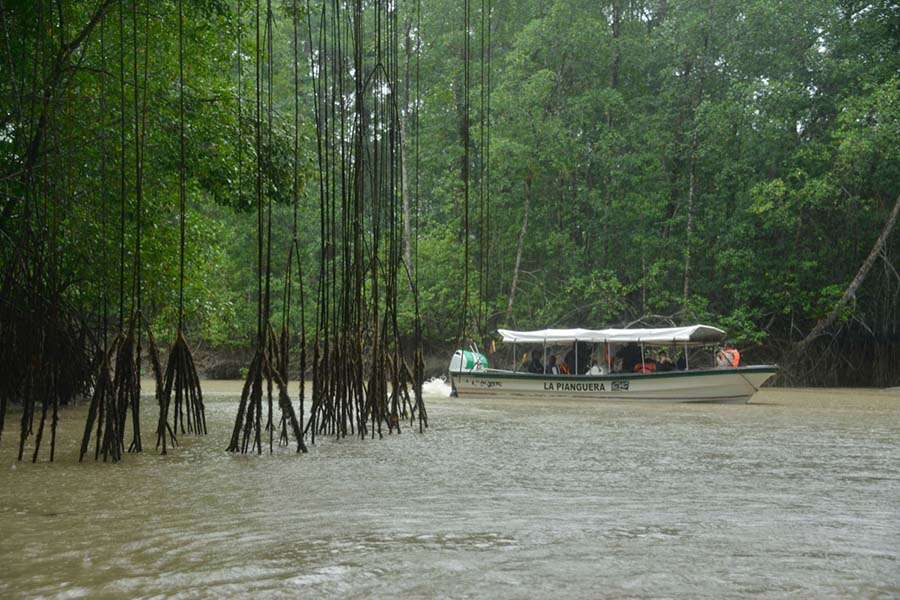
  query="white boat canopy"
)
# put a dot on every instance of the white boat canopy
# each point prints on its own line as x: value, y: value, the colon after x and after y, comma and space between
x: 693, y: 335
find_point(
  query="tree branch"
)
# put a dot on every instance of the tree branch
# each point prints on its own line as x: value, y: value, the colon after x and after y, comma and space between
x: 56, y: 83
x: 850, y: 292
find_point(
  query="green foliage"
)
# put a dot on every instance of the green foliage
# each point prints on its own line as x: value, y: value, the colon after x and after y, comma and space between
x: 746, y: 151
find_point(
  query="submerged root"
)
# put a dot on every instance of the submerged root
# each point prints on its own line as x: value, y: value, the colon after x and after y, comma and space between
x: 180, y: 376
x: 248, y: 429
x: 127, y: 386
x: 127, y: 380
x: 45, y: 351
x: 352, y: 394
x: 103, y: 410
x: 417, y: 379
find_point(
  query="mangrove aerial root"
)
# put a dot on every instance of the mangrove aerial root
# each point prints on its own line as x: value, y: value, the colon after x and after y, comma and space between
x: 181, y: 376
x: 127, y: 379
x: 127, y: 385
x: 247, y: 433
x: 418, y: 378
x: 45, y: 350
x: 103, y: 410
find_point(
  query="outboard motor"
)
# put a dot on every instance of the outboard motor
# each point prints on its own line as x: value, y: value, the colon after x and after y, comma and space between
x: 465, y: 361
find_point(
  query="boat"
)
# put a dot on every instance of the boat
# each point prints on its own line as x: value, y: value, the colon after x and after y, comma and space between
x: 470, y: 374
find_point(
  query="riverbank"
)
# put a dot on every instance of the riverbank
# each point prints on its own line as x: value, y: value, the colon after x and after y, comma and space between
x: 231, y: 363
x: 858, y: 367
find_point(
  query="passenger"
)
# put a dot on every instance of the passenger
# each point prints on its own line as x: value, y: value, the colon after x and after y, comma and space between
x: 630, y: 355
x: 663, y: 362
x: 647, y: 366
x: 535, y: 366
x: 584, y: 357
x: 596, y: 369
x: 578, y: 358
x: 552, y: 367
x: 728, y: 356
x: 682, y: 364
x: 569, y: 362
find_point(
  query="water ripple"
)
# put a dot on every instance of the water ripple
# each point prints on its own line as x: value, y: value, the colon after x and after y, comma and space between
x: 792, y: 497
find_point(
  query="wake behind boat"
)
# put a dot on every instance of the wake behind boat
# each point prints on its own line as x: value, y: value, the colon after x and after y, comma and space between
x: 627, y: 369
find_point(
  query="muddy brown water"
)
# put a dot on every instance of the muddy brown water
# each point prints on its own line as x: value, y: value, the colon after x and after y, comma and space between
x: 794, y: 495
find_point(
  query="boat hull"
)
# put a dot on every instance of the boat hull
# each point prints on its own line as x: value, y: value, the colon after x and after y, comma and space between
x: 735, y: 385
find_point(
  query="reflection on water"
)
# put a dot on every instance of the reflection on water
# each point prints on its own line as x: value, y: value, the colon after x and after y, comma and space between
x: 794, y: 495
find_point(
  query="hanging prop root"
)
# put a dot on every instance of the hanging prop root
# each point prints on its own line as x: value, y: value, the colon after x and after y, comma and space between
x: 289, y: 417
x: 114, y: 395
x: 282, y: 372
x: 247, y: 433
x: 181, y: 373
x: 181, y: 377
x: 45, y: 352
x: 102, y: 409
x: 278, y: 356
x: 127, y: 381
x: 127, y: 384
x: 360, y: 382
x: 418, y: 377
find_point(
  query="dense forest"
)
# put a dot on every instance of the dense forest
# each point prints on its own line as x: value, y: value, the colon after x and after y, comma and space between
x: 565, y: 163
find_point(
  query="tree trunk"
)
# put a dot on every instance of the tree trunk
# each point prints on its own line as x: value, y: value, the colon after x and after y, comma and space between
x: 850, y: 292
x: 692, y: 180
x: 643, y: 281
x: 53, y: 87
x: 607, y: 211
x: 687, y: 238
x: 616, y: 27
x: 404, y: 172
x: 57, y: 81
x: 519, y: 248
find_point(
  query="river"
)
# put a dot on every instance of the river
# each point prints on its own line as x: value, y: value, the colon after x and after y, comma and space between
x: 794, y: 495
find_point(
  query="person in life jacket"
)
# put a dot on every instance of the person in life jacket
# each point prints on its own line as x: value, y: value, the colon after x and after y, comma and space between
x: 630, y: 356
x: 728, y: 356
x: 647, y: 366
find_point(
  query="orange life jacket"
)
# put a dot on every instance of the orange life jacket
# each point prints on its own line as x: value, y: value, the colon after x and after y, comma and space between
x: 729, y: 356
x: 564, y: 369
x: 646, y: 367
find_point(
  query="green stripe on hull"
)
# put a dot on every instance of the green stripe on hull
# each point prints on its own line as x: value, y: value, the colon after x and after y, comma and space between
x: 617, y: 376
